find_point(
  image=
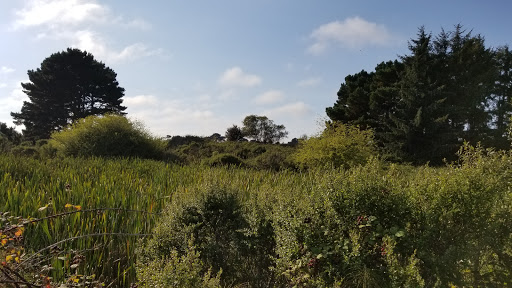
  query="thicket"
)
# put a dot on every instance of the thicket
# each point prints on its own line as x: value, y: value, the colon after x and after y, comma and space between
x: 375, y: 225
x: 339, y: 145
x: 390, y: 225
x: 248, y: 154
x: 107, y: 136
x: 449, y: 88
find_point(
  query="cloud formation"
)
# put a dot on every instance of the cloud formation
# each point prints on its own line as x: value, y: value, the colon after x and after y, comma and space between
x: 236, y: 77
x: 353, y: 33
x: 297, y: 109
x: 95, y: 44
x: 269, y: 97
x: 310, y: 82
x: 172, y: 117
x: 13, y: 101
x: 70, y: 20
x: 6, y: 70
x: 52, y: 13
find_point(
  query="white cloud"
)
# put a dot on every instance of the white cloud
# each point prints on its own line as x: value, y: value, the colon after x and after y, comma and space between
x: 236, y: 77
x: 310, y: 82
x: 59, y: 12
x: 269, y: 97
x: 140, y: 100
x: 173, y: 117
x: 12, y: 102
x: 297, y: 109
x: 6, y: 70
x: 3, y: 85
x: 138, y: 24
x: 70, y: 20
x: 96, y: 45
x: 354, y: 32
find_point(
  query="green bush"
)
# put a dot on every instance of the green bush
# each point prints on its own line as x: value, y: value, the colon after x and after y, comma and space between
x: 172, y: 270
x: 107, y: 136
x: 227, y: 239
x: 25, y: 151
x: 339, y: 145
x: 224, y: 159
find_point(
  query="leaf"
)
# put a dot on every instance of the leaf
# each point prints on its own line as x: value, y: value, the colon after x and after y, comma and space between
x: 400, y: 233
x: 69, y: 205
x: 78, y: 207
x: 42, y: 208
x: 74, y: 266
x: 19, y: 232
x: 8, y: 258
x: 4, y: 242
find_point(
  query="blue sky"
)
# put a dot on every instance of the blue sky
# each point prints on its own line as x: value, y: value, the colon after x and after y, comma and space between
x: 198, y: 67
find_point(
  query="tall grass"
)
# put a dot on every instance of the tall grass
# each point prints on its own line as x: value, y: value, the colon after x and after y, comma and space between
x: 449, y: 218
x: 137, y: 187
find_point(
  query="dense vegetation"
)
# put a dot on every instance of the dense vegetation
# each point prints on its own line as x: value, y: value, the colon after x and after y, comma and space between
x: 101, y: 202
x: 376, y: 223
x: 449, y: 89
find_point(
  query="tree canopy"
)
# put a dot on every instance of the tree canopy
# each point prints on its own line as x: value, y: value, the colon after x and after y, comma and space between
x: 234, y: 133
x: 68, y: 86
x: 262, y: 129
x: 449, y: 89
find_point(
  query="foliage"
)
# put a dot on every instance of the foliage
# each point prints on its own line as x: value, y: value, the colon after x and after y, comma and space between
x: 173, y: 270
x: 68, y: 86
x: 234, y: 133
x: 248, y: 154
x: 107, y: 136
x: 176, y: 141
x: 226, y: 241
x: 19, y: 271
x: 384, y: 224
x: 224, y: 159
x: 262, y: 129
x: 9, y: 137
x: 339, y: 145
x: 449, y: 89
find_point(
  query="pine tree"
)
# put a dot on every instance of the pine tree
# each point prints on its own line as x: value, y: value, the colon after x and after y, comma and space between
x: 419, y: 125
x: 471, y: 82
x: 502, y: 97
x: 353, y: 104
x: 68, y: 86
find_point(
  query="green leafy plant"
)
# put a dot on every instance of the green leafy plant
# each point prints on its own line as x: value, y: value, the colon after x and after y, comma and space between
x: 339, y: 145
x: 107, y: 136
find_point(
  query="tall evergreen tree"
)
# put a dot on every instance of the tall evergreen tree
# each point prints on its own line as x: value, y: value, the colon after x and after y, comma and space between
x: 419, y: 127
x: 353, y: 104
x: 502, y: 96
x: 450, y: 89
x: 471, y: 82
x: 69, y: 85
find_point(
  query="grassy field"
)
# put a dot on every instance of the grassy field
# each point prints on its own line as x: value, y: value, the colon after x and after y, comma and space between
x: 377, y: 222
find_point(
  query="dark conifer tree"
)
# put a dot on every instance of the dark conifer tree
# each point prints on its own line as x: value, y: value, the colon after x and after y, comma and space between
x: 419, y: 128
x: 502, y: 97
x: 353, y: 104
x: 69, y: 85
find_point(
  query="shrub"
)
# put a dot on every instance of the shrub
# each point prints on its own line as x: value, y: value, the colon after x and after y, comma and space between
x: 339, y: 145
x: 226, y: 239
x: 107, y: 136
x: 185, y: 271
x: 224, y: 159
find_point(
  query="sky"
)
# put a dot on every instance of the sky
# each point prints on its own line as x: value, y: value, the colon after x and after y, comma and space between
x: 193, y: 67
